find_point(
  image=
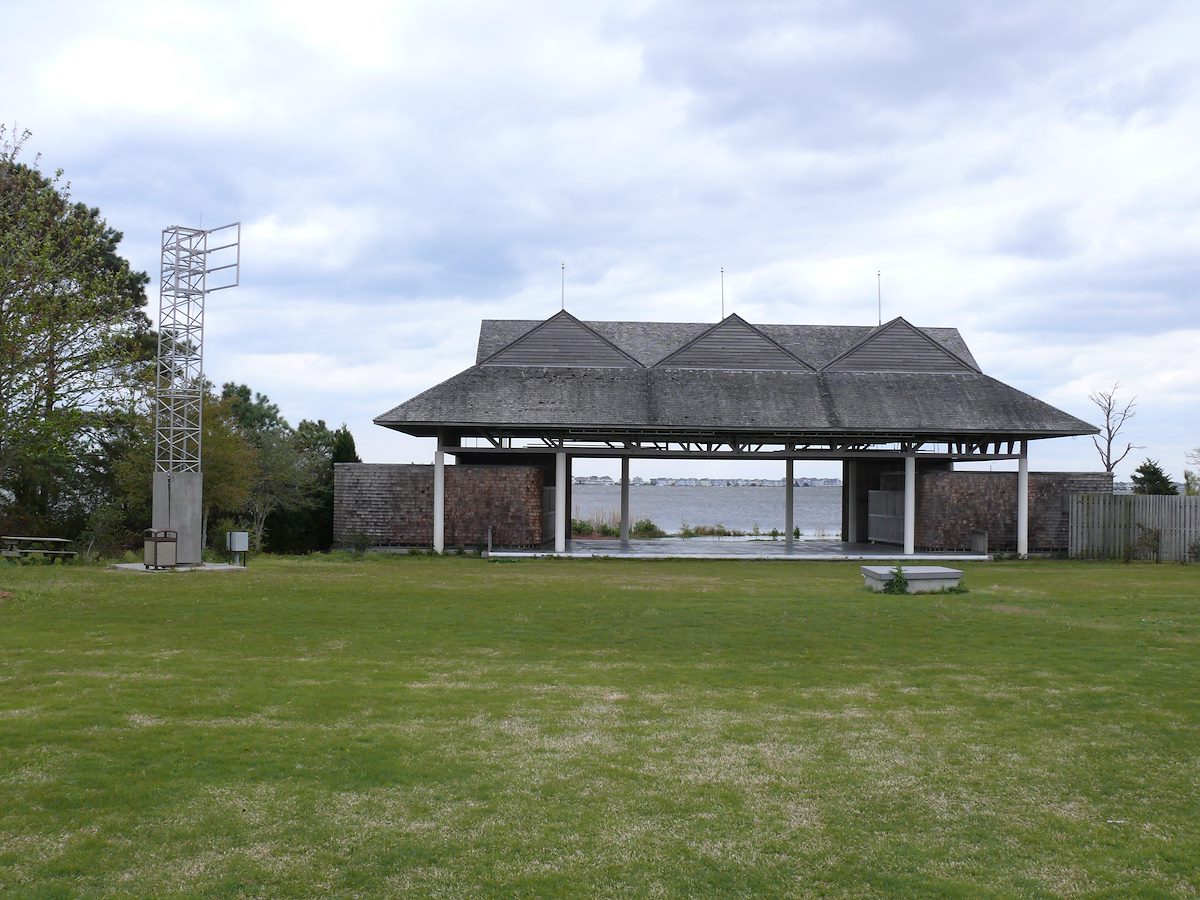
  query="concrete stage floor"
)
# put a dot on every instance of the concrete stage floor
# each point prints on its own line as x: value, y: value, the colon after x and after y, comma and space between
x: 734, y: 548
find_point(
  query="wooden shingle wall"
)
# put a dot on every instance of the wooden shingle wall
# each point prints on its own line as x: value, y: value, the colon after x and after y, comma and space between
x: 953, y: 505
x: 393, y: 505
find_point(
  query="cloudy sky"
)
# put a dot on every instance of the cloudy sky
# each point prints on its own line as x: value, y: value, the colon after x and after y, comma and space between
x: 1028, y: 172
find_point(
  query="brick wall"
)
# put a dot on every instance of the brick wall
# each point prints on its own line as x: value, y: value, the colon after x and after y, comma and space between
x: 394, y: 504
x: 951, y: 505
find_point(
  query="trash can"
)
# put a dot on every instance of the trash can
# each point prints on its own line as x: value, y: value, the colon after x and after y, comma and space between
x: 160, y: 548
x: 237, y: 543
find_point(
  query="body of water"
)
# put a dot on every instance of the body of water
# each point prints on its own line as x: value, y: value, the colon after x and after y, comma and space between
x: 817, y: 510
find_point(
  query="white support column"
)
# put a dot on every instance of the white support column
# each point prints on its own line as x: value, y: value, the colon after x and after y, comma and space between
x: 560, y: 502
x: 624, y: 501
x: 1023, y: 502
x: 910, y: 505
x: 851, y: 495
x: 439, y: 499
x: 788, y: 502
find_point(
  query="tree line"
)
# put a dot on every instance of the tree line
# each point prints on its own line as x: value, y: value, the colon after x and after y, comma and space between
x: 76, y: 394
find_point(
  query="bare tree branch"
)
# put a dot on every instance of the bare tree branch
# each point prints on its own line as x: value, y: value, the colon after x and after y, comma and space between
x: 1115, y: 417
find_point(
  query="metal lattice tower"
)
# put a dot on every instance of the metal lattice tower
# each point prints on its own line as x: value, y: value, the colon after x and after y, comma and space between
x: 187, y: 263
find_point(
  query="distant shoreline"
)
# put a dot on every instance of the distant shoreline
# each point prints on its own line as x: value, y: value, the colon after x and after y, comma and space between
x: 755, y: 504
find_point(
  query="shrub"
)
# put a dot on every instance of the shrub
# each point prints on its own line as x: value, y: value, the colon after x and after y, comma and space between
x: 1149, y: 543
x: 105, y: 535
x: 898, y: 583
x: 707, y: 531
x: 604, y: 524
x: 644, y: 528
x: 217, y: 532
x: 360, y: 542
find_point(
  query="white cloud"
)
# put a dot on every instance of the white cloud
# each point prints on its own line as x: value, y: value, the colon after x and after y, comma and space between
x: 403, y: 170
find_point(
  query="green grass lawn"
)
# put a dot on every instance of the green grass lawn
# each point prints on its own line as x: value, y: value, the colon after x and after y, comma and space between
x: 457, y: 727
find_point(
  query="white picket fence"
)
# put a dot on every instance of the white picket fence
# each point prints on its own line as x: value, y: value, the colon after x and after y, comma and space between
x: 1125, y: 526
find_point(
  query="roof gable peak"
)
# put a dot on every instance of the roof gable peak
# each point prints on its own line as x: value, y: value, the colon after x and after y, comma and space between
x: 734, y: 344
x: 898, y: 346
x: 562, y: 341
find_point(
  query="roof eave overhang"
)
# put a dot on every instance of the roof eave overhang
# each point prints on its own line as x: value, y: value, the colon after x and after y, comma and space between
x: 601, y: 431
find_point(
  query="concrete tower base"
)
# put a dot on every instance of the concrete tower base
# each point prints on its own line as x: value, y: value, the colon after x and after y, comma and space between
x: 178, y: 505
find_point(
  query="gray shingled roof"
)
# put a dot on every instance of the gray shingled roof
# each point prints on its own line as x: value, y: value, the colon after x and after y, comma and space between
x: 649, y: 342
x: 849, y: 398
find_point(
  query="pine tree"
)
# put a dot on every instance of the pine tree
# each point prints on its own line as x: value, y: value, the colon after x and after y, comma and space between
x: 1149, y: 478
x: 73, y: 334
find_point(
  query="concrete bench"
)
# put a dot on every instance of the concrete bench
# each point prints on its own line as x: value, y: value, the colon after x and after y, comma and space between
x: 921, y: 579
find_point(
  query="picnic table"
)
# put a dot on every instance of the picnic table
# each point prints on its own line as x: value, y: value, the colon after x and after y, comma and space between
x: 50, y: 548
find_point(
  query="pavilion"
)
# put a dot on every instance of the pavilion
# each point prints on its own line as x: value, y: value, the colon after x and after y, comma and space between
x: 879, y: 399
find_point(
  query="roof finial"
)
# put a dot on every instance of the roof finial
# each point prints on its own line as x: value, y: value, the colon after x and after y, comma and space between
x: 722, y: 293
x: 563, y: 288
x: 879, y: 293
